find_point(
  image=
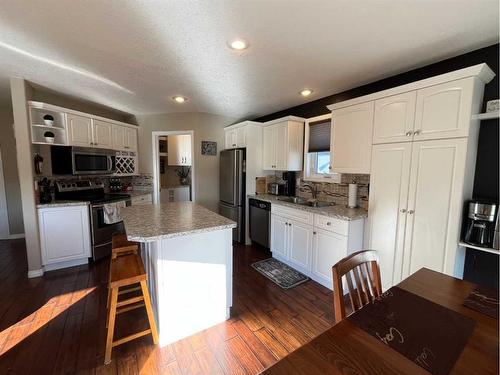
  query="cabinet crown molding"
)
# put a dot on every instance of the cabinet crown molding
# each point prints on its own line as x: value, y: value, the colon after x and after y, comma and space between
x: 243, y: 123
x: 480, y: 71
x: 283, y: 119
x: 51, y: 107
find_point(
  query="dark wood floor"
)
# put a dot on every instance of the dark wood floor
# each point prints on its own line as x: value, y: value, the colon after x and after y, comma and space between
x: 56, y: 323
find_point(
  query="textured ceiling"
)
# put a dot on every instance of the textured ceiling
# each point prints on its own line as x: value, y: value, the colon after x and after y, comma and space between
x: 135, y: 55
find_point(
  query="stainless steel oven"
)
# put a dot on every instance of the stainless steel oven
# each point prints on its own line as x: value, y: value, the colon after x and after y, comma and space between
x: 82, y: 160
x: 102, y: 233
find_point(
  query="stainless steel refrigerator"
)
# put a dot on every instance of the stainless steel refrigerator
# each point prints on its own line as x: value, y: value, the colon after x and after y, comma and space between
x: 232, y: 189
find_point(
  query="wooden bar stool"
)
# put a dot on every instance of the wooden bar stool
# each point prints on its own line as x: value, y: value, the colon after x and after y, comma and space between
x: 127, y: 270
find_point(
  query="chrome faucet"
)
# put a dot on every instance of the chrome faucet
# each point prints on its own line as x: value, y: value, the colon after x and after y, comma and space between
x: 312, y: 188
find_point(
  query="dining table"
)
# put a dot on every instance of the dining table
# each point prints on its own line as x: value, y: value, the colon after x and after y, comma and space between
x: 347, y: 349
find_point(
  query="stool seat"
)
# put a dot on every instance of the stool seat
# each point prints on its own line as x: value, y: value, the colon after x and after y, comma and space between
x: 120, y: 245
x: 126, y: 270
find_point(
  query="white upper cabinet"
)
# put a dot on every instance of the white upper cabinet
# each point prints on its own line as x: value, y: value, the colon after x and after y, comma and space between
x: 389, y: 181
x: 235, y: 137
x: 79, y: 130
x: 179, y: 150
x: 283, y: 144
x: 230, y: 138
x: 445, y: 110
x: 351, y: 143
x: 118, y: 137
x: 102, y: 134
x: 131, y: 140
x: 394, y: 118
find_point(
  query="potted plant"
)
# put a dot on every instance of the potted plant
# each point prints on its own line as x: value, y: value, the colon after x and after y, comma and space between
x: 48, y: 120
x: 49, y: 137
x: 183, y: 173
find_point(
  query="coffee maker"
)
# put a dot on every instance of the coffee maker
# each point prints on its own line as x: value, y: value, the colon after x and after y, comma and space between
x: 480, y: 225
x: 290, y: 182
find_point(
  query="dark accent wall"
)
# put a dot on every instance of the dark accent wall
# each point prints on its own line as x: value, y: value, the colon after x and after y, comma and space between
x: 480, y: 267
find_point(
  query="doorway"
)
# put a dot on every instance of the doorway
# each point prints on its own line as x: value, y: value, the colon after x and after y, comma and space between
x: 4, y: 217
x: 173, y: 166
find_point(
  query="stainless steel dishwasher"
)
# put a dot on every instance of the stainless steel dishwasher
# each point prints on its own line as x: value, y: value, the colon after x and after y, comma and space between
x: 260, y: 221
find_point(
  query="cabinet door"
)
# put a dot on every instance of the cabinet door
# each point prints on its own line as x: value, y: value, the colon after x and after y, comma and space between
x: 394, y: 118
x: 64, y: 233
x: 351, y: 143
x: 281, y: 146
x: 228, y: 139
x: 444, y: 111
x: 174, y: 152
x: 300, y: 245
x: 268, y: 148
x: 102, y: 134
x: 130, y: 139
x: 241, y: 137
x: 181, y: 194
x: 79, y: 130
x: 389, y: 181
x: 435, y: 205
x: 119, y: 136
x: 328, y: 249
x: 279, y: 236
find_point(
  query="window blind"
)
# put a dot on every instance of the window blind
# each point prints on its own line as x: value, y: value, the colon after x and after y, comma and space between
x: 319, y: 136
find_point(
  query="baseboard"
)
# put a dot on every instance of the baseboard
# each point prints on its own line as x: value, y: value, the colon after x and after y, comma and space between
x: 66, y: 264
x: 12, y: 236
x: 35, y: 273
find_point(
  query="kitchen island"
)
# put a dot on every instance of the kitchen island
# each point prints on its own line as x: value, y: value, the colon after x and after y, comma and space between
x: 187, y: 254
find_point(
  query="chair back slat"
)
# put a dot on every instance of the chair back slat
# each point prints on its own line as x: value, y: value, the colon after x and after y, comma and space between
x: 363, y: 267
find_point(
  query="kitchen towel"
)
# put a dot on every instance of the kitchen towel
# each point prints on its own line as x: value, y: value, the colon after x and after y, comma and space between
x: 112, y: 212
x: 426, y: 333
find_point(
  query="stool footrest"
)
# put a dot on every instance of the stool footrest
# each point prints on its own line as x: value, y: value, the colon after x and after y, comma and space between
x: 131, y: 337
x: 129, y: 290
x: 131, y: 307
x: 130, y: 301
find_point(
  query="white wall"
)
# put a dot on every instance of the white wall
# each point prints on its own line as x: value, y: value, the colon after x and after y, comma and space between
x: 206, y: 127
x: 9, y: 162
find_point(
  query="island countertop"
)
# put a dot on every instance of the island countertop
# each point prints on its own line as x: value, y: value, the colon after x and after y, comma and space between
x: 146, y: 223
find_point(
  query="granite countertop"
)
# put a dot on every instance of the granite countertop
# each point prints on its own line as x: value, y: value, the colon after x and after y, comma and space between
x: 62, y: 203
x: 338, y: 211
x: 159, y: 221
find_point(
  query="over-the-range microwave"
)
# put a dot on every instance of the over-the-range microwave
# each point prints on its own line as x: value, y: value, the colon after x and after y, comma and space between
x: 82, y: 160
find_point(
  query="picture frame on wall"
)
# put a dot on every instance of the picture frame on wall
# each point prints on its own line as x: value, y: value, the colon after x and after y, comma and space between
x: 209, y: 148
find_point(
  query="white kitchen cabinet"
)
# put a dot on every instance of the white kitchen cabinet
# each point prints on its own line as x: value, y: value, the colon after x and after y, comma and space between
x: 279, y: 237
x: 389, y: 182
x: 124, y: 138
x: 235, y: 137
x: 435, y: 205
x: 64, y: 236
x: 79, y: 130
x: 282, y: 146
x: 102, y: 134
x: 328, y: 249
x: 131, y: 140
x: 179, y: 150
x: 313, y: 243
x: 394, y: 118
x: 445, y: 110
x: 351, y: 138
x: 175, y: 194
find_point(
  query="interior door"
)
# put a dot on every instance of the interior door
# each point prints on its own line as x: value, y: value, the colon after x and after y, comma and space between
x: 281, y: 145
x: 300, y: 245
x: 102, y: 134
x: 387, y: 212
x: 434, y: 205
x: 279, y: 236
x: 394, y: 118
x: 79, y: 130
x: 268, y: 148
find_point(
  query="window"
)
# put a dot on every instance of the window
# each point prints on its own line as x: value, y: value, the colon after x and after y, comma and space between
x: 317, y: 150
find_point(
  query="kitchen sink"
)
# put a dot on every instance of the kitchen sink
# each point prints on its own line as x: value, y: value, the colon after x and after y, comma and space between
x: 303, y: 202
x: 296, y: 200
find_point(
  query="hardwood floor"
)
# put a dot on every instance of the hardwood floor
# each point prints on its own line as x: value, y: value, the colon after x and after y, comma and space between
x: 56, y: 323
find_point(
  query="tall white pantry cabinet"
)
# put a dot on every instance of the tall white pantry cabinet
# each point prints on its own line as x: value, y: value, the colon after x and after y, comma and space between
x: 423, y: 153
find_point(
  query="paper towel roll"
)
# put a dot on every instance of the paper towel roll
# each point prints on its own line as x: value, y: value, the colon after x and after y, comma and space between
x: 353, y: 195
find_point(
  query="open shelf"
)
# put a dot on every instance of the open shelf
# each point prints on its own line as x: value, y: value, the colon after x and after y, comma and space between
x: 487, y: 249
x: 486, y: 116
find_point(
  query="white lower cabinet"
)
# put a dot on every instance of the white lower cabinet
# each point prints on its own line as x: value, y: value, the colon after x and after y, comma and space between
x: 312, y: 243
x: 64, y: 236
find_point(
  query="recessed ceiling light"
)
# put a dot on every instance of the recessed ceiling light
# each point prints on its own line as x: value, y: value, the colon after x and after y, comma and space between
x: 306, y: 92
x: 238, y: 44
x: 179, y: 99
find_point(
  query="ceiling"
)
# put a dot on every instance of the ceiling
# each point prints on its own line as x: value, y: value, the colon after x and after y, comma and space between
x: 135, y: 55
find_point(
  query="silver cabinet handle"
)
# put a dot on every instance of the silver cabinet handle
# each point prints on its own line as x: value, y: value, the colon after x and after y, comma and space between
x: 417, y: 132
x: 328, y: 223
x: 314, y: 232
x: 403, y: 210
x: 411, y: 212
x: 409, y: 133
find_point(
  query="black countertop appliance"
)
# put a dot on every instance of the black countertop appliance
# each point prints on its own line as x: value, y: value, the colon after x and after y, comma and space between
x: 290, y: 182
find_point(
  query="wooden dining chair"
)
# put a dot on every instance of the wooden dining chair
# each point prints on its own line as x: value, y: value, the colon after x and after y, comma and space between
x: 362, y: 268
